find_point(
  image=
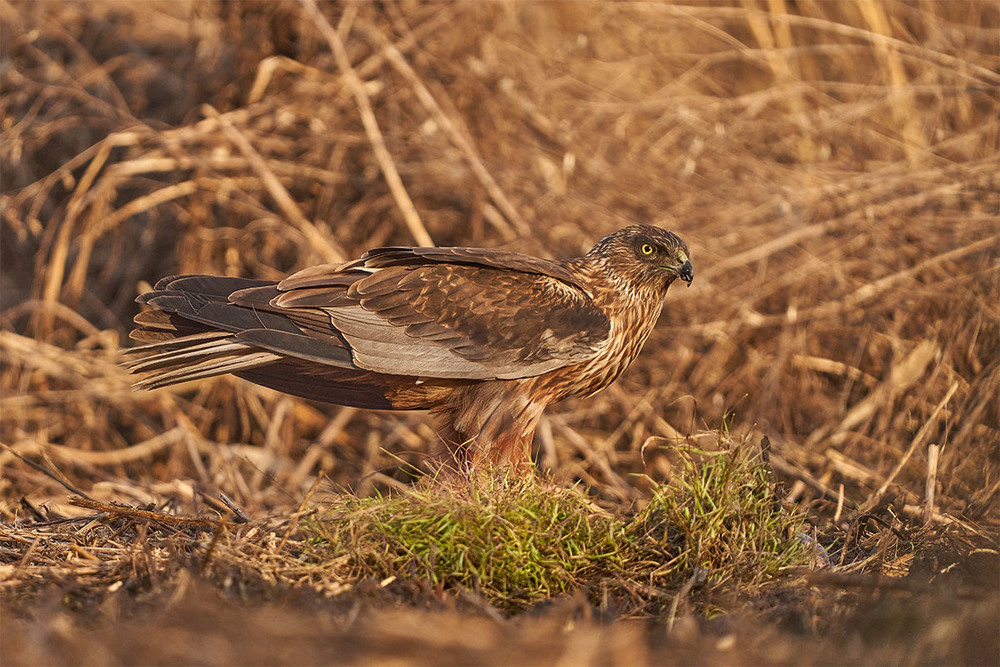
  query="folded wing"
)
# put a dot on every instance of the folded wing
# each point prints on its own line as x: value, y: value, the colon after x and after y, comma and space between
x: 409, y: 314
x: 447, y: 313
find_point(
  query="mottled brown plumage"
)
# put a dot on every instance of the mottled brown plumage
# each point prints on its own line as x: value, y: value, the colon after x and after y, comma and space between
x: 483, y: 338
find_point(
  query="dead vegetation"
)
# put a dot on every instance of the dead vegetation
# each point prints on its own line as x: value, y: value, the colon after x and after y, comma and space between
x: 833, y: 167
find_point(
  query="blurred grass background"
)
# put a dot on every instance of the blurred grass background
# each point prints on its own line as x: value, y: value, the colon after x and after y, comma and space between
x: 834, y: 167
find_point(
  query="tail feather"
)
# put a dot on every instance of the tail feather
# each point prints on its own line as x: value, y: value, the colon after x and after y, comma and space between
x: 195, y: 349
x: 207, y: 368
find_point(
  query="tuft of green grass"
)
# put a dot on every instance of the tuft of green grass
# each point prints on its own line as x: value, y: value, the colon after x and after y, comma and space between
x: 518, y: 541
x: 514, y: 540
x: 718, y: 514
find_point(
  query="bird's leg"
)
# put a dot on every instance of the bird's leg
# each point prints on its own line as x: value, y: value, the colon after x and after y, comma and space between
x: 491, y: 424
x: 486, y: 450
x: 509, y: 452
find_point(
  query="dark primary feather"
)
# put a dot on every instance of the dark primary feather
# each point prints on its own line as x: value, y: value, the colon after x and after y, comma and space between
x: 484, y: 337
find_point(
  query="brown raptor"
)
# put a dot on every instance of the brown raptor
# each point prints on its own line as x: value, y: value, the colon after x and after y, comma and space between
x: 485, y: 339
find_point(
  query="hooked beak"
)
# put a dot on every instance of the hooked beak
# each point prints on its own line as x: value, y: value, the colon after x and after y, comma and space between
x: 685, y: 272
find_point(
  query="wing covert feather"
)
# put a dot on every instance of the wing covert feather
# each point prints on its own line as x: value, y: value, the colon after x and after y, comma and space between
x: 433, y: 319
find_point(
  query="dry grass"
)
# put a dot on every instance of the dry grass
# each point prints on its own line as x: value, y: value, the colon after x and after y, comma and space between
x: 833, y: 166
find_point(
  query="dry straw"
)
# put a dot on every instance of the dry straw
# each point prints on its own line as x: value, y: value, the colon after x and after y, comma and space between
x: 833, y: 167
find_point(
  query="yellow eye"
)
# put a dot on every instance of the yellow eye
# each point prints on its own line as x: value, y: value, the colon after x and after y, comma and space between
x: 646, y: 249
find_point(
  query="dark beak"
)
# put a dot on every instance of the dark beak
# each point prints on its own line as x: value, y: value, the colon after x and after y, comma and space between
x: 686, y: 272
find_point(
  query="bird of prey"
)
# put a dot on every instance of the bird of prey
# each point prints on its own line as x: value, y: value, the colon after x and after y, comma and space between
x: 485, y: 339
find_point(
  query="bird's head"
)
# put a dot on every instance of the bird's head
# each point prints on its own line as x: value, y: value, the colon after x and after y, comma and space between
x: 644, y: 257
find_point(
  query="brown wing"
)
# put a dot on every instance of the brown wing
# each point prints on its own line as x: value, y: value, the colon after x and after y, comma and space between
x: 446, y: 313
